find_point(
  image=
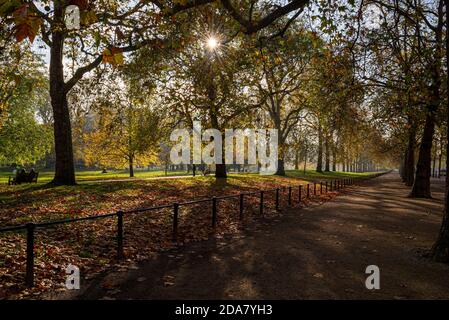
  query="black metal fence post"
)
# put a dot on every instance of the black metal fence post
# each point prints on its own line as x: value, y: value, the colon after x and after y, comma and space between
x: 290, y: 196
x: 308, y: 191
x: 175, y: 221
x: 241, y: 205
x: 261, y: 203
x: 120, y: 235
x: 321, y: 187
x: 326, y: 187
x: 277, y: 198
x: 314, y: 188
x: 214, y: 212
x: 29, y: 276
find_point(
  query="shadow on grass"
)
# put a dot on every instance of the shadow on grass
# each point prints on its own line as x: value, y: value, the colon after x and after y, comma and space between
x: 146, y: 193
x: 314, y: 176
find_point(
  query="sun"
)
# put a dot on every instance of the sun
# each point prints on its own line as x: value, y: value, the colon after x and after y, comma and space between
x: 212, y: 43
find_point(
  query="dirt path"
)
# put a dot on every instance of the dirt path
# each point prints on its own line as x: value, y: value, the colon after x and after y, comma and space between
x: 319, y: 252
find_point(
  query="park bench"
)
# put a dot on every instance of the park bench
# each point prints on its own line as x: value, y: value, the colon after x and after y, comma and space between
x: 27, y: 177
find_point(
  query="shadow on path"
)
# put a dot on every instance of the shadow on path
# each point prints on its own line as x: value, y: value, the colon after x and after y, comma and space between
x: 319, y: 252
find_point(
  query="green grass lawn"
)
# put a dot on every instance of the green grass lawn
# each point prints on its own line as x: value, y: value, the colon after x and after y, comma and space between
x: 312, y: 175
x: 93, y: 175
x: 96, y: 175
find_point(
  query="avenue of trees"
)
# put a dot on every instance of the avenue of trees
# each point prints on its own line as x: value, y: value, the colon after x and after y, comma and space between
x: 350, y: 85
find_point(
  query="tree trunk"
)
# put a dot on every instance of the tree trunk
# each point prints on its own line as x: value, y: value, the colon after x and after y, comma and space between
x: 131, y: 167
x: 421, y: 186
x: 220, y: 168
x: 328, y: 154
x: 319, y: 164
x: 402, y: 168
x: 297, y: 160
x: 281, y: 168
x: 408, y: 172
x: 220, y: 171
x: 434, y: 162
x: 64, y: 166
x: 305, y: 159
x: 409, y: 163
x: 440, y: 250
x: 334, y: 159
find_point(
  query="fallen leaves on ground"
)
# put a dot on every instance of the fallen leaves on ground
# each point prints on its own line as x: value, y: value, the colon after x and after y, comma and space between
x: 92, y: 245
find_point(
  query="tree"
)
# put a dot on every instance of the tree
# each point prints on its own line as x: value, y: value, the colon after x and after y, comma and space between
x: 110, y: 28
x: 279, y: 78
x: 206, y: 83
x: 440, y: 249
x: 24, y: 140
x: 10, y: 61
x: 425, y: 39
x: 126, y: 133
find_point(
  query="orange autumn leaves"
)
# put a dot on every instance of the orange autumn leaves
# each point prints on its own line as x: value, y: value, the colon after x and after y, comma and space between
x: 113, y: 56
x: 27, y: 23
